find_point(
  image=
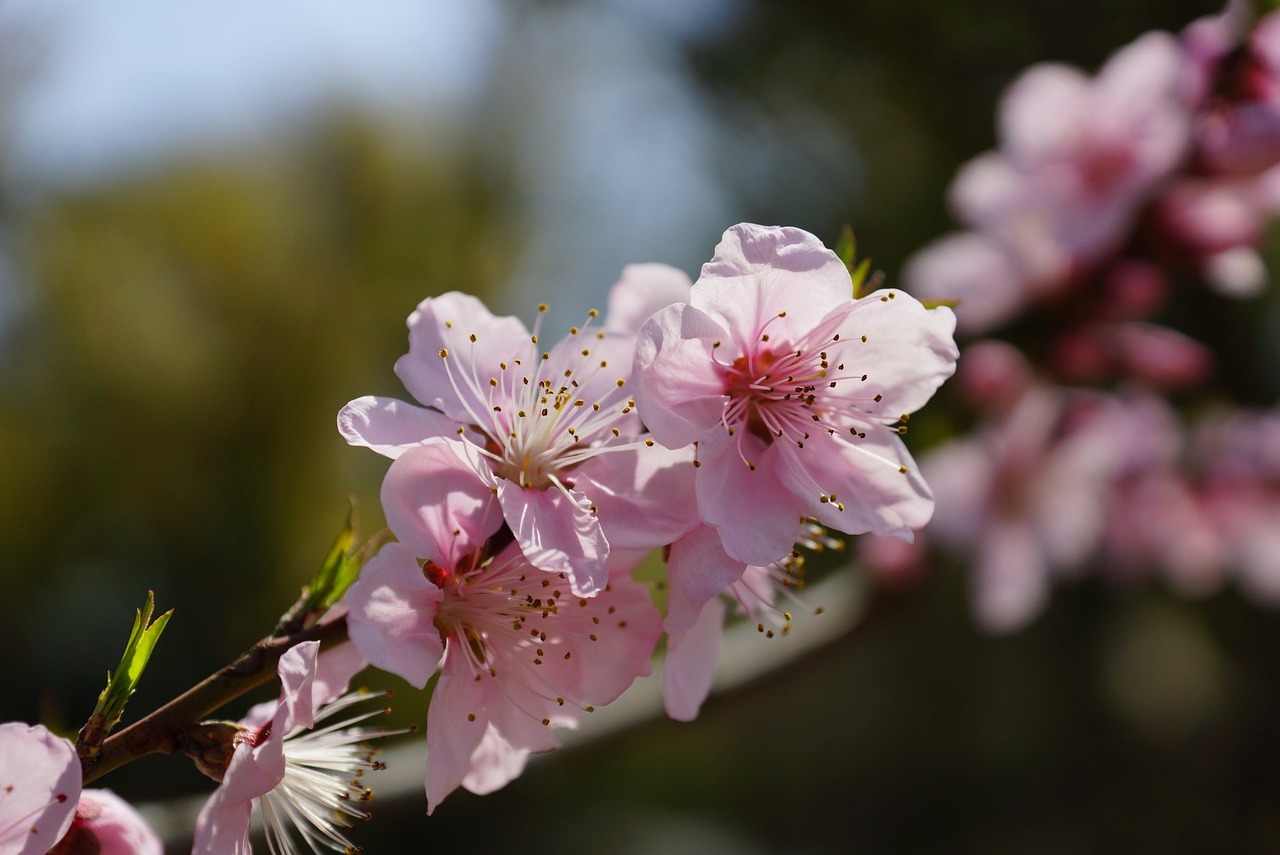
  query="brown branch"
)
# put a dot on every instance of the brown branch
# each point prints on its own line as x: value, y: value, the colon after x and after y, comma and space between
x: 159, y: 731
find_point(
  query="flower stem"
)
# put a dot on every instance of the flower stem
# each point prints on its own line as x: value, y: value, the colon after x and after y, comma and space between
x: 158, y: 732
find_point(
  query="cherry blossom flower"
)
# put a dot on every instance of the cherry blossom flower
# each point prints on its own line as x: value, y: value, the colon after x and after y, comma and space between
x: 517, y: 652
x: 547, y: 421
x: 303, y: 780
x: 106, y: 824
x: 39, y: 788
x: 792, y: 391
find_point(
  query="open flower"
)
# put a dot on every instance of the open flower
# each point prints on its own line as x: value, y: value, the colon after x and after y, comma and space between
x: 793, y: 392
x: 546, y: 420
x: 39, y: 788
x: 304, y: 780
x: 518, y: 653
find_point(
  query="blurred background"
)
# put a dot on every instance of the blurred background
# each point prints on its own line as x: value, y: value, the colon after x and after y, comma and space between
x: 214, y: 219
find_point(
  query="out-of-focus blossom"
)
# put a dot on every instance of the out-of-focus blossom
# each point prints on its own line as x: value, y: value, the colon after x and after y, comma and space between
x: 546, y: 420
x: 1079, y: 156
x: 305, y: 781
x: 39, y: 788
x: 792, y: 391
x: 517, y: 652
x: 1026, y: 497
x: 106, y: 824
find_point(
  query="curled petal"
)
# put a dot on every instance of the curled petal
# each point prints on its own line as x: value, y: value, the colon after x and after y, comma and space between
x: 558, y: 533
x: 388, y: 426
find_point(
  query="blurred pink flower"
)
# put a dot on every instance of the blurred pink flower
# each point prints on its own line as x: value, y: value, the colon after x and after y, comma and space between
x: 517, y: 652
x: 791, y: 389
x: 39, y: 788
x: 1079, y: 156
x: 1026, y: 497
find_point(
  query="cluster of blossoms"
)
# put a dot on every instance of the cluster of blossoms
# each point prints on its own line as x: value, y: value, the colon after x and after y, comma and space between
x: 1107, y: 196
x: 723, y: 425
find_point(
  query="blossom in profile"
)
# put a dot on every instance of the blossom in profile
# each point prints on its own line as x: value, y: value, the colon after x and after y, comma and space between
x: 304, y: 780
x: 39, y: 788
x: 518, y: 653
x: 795, y: 394
x: 548, y: 421
x: 106, y: 824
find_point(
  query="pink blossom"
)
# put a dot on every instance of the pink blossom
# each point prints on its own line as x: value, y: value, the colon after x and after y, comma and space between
x: 548, y: 422
x: 39, y: 788
x: 1026, y: 496
x: 517, y: 652
x: 304, y: 782
x: 990, y: 284
x: 108, y: 825
x: 791, y: 390
x: 1079, y: 156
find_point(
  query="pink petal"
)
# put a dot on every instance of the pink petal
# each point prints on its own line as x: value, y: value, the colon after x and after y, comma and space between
x: 642, y: 290
x: 222, y: 828
x: 388, y: 426
x: 438, y: 497
x: 645, y: 495
x: 873, y: 477
x: 494, y: 764
x: 39, y: 788
x: 297, y: 672
x: 974, y: 270
x: 758, y: 517
x: 455, y: 726
x: 698, y: 569
x: 909, y: 350
x: 115, y: 825
x: 758, y: 272
x: 1011, y: 584
x: 334, y: 669
x: 690, y: 665
x: 679, y: 392
x: 391, y: 615
x: 558, y: 534
x: 446, y: 323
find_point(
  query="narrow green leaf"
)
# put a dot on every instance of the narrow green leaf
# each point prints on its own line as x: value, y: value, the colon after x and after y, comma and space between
x: 339, y: 568
x: 122, y: 683
x: 847, y: 247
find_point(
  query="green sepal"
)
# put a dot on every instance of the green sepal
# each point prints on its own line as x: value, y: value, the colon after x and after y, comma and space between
x: 339, y: 569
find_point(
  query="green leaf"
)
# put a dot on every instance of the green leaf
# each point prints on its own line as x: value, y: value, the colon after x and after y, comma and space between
x: 847, y: 247
x: 124, y: 681
x: 339, y: 569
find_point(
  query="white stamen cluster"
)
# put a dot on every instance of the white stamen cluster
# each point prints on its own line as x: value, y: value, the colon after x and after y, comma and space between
x: 534, y: 418
x: 321, y: 792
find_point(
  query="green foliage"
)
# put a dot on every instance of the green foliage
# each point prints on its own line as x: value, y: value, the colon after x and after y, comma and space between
x: 137, y: 653
x: 341, y: 567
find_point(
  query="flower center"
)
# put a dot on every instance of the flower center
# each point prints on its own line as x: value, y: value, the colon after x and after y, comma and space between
x: 544, y: 413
